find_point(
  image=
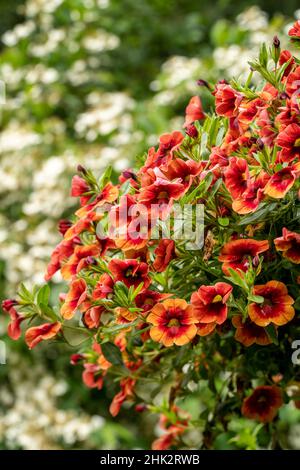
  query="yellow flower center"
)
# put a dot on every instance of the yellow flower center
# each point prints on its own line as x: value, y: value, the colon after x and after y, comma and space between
x: 173, y: 322
x: 297, y: 143
x: 163, y: 195
x: 217, y: 298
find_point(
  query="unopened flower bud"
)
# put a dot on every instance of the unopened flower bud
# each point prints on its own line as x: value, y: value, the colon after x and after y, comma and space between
x: 7, y: 304
x: 255, y: 261
x: 64, y: 225
x: 81, y: 169
x: 260, y: 144
x: 191, y: 131
x: 202, y: 82
x: 276, y: 42
x: 141, y: 407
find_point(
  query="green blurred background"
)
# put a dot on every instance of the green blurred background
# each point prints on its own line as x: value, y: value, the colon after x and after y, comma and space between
x: 95, y: 82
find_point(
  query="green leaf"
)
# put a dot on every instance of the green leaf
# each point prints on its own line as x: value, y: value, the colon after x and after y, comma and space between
x: 75, y: 336
x: 112, y: 353
x: 25, y: 294
x: 259, y: 214
x: 258, y: 299
x: 237, y: 279
x: 43, y: 295
x: 272, y: 333
x: 223, y: 221
x: 48, y: 312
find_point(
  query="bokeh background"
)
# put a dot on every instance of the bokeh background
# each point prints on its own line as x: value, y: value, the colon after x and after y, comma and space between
x: 95, y: 82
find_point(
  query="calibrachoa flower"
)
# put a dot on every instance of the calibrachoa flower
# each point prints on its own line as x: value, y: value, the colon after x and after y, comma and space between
x: 36, y: 334
x: 166, y: 317
x: 130, y: 271
x: 249, y: 333
x: 209, y: 303
x: 238, y: 254
x: 276, y: 306
x: 289, y: 245
x: 263, y: 404
x: 174, y: 322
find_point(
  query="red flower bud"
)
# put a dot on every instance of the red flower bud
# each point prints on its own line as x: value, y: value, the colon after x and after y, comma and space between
x: 7, y: 304
x: 64, y: 225
x: 191, y: 131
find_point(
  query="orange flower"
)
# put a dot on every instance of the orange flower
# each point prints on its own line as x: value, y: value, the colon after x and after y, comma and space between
x: 80, y: 259
x: 36, y: 334
x: 174, y: 322
x: 130, y: 224
x: 205, y: 329
x: 74, y: 298
x: 194, y: 111
x: 164, y: 252
x: 236, y: 253
x: 276, y: 306
x: 130, y: 272
x: 289, y: 244
x: 280, y: 183
x: 249, y: 333
x: 209, y: 303
x: 62, y: 252
x: 127, y: 385
x: 104, y: 287
x: 263, y: 403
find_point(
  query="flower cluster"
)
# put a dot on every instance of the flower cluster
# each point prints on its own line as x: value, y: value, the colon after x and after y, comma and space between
x: 152, y: 312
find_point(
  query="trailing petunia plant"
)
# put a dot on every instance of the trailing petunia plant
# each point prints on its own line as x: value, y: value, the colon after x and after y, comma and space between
x: 204, y: 304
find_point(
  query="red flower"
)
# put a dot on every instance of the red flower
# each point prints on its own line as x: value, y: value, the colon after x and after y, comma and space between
x: 130, y: 224
x: 292, y: 83
x: 276, y: 306
x: 280, y: 183
x: 289, y: 140
x: 13, y: 330
x: 36, y: 334
x: 80, y: 259
x: 162, y: 193
x: 249, y: 333
x: 168, y: 144
x: 236, y: 253
x: 74, y: 298
x: 209, y: 303
x: 164, y: 252
x: 227, y: 100
x: 127, y: 386
x: 79, y: 188
x: 174, y: 322
x: 289, y: 244
x: 104, y: 287
x: 92, y: 316
x: 92, y: 376
x: 186, y: 171
x: 62, y: 252
x: 237, y: 177
x: 252, y: 196
x: 130, y: 272
x: 294, y: 32
x: 263, y: 403
x: 173, y: 429
x: 194, y: 111
x: 148, y: 298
